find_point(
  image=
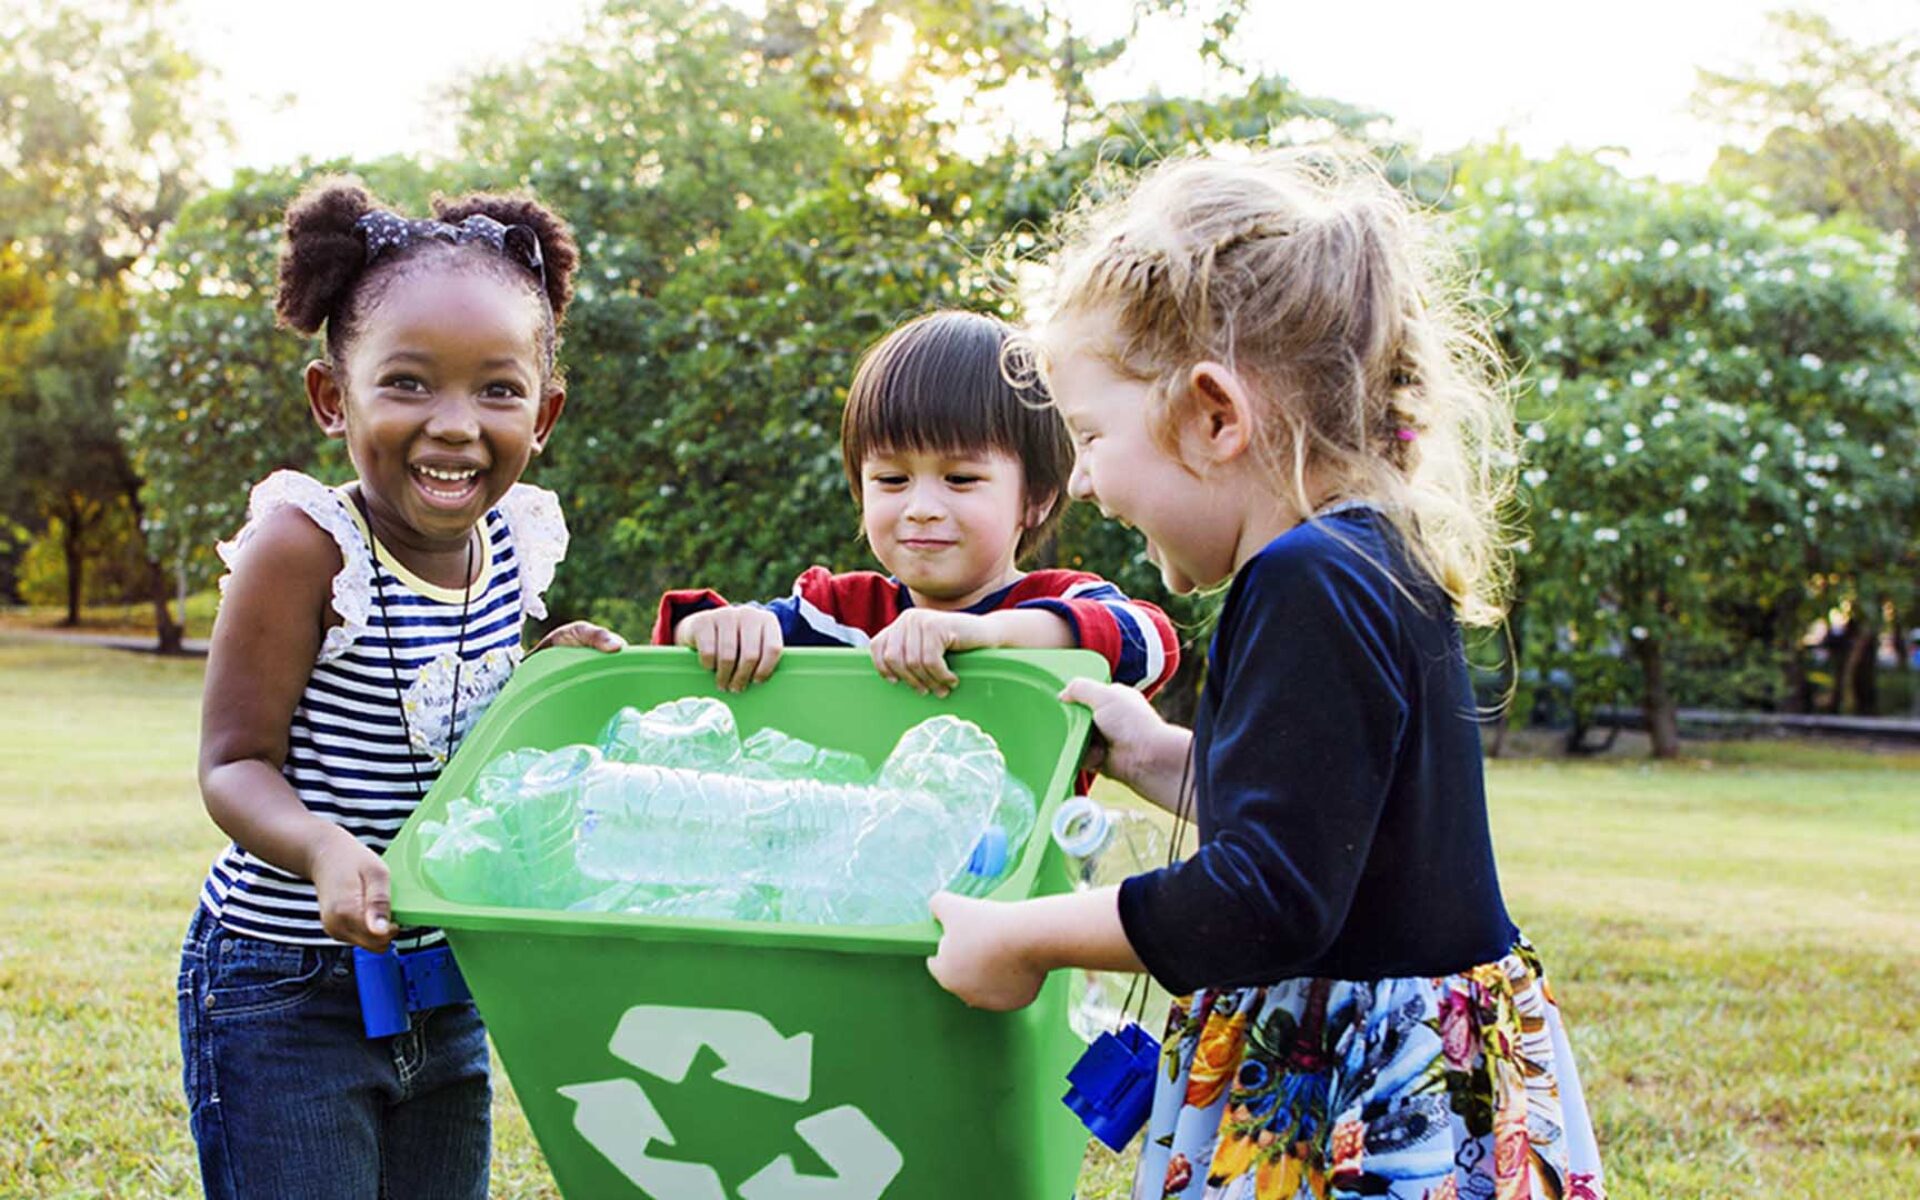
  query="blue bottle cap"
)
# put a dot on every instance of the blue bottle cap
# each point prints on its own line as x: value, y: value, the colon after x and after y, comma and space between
x: 1111, y: 1088
x: 989, y: 856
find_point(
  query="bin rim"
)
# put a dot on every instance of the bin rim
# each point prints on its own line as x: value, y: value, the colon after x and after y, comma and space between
x: 416, y: 903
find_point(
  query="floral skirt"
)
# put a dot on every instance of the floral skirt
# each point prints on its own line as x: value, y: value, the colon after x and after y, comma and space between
x: 1411, y: 1089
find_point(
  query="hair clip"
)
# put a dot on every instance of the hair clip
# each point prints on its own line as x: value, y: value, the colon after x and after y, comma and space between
x: 385, y: 232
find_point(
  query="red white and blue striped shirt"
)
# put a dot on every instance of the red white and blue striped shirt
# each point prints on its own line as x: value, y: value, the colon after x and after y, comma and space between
x: 824, y: 609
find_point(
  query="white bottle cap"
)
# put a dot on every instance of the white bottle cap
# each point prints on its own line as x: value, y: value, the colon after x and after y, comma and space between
x: 1080, y: 827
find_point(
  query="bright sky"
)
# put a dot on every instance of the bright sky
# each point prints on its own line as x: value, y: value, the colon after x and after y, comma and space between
x: 369, y: 78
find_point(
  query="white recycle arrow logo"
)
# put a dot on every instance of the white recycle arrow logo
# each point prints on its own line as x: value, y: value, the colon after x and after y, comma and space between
x: 617, y: 1119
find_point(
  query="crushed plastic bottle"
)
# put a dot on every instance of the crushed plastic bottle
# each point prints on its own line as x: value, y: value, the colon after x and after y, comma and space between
x: 948, y: 757
x: 460, y: 854
x: 673, y: 815
x: 698, y: 733
x: 771, y: 754
x: 511, y: 842
x: 998, y: 850
x: 670, y: 825
x: 1103, y: 847
x: 847, y: 853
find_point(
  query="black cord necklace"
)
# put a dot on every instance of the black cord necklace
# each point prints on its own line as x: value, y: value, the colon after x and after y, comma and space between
x: 393, y: 665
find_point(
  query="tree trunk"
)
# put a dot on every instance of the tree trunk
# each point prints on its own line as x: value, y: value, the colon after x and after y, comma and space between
x: 1798, y: 694
x: 1853, y: 686
x: 1663, y: 723
x: 169, y: 635
x: 1790, y: 695
x: 76, y: 566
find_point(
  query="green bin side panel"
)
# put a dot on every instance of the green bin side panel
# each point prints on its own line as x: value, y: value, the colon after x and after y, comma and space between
x: 969, y: 1100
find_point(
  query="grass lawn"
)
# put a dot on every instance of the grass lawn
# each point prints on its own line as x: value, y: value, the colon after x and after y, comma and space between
x: 1735, y: 940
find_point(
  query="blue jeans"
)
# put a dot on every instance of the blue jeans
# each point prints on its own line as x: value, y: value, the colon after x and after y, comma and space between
x: 289, y: 1097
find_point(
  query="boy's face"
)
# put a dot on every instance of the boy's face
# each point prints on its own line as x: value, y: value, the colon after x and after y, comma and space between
x: 945, y: 524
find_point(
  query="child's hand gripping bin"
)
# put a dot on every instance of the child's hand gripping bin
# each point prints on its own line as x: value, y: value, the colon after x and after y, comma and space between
x: 668, y: 1057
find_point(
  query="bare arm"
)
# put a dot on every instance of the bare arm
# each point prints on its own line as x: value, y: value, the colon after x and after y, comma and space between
x: 996, y: 956
x: 264, y: 643
x: 1028, y: 628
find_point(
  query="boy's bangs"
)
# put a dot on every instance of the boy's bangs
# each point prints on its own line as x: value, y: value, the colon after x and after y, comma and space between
x: 936, y: 387
x: 933, y: 413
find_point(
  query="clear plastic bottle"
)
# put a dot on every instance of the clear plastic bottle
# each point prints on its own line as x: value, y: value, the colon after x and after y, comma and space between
x: 685, y: 828
x: 540, y: 809
x: 848, y: 853
x: 697, y: 732
x: 510, y: 840
x: 673, y: 815
x: 771, y: 754
x: 1104, y: 846
x: 458, y: 855
x: 998, y: 850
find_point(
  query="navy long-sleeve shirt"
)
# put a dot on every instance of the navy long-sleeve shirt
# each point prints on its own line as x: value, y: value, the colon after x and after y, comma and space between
x: 1338, y: 785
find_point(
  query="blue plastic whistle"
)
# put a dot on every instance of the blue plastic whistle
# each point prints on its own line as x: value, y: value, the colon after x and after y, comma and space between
x: 1111, y: 1087
x: 393, y: 985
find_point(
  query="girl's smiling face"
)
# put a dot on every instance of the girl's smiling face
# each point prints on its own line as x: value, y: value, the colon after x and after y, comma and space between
x: 1187, y: 500
x: 945, y: 524
x: 441, y: 401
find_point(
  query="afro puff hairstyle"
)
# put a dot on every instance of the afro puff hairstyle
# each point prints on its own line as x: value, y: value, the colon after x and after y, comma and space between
x: 326, y: 283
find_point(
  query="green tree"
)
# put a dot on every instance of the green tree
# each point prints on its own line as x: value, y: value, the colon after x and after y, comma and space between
x: 1722, y: 422
x: 1837, y: 123
x: 97, y: 145
x: 1835, y: 127
x: 67, y: 469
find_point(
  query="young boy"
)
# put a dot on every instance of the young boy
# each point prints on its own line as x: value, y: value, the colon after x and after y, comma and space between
x: 958, y: 475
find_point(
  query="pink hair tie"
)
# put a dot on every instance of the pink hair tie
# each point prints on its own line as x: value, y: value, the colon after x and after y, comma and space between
x: 1405, y: 435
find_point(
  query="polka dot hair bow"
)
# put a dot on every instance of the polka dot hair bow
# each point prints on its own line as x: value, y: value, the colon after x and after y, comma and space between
x: 386, y: 232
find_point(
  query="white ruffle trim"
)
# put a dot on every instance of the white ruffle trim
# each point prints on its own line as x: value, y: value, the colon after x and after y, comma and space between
x: 539, y: 533
x: 327, y: 508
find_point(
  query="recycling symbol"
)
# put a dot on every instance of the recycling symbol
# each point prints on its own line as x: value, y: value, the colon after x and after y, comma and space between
x: 617, y: 1119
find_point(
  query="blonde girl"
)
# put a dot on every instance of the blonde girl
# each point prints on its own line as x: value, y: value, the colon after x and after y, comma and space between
x: 1265, y: 372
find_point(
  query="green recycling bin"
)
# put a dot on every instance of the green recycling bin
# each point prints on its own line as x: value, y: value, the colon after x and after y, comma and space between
x: 684, y: 1059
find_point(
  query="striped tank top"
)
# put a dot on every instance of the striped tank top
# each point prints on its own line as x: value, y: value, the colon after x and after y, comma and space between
x: 351, y: 757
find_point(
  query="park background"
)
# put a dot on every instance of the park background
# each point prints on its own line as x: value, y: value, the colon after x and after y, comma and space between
x: 1718, y: 391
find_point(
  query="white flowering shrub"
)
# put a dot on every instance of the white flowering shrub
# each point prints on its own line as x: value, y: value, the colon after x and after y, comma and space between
x: 1721, y: 408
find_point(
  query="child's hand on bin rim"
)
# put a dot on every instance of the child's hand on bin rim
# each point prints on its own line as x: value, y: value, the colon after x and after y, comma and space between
x: 583, y: 633
x: 980, y: 958
x: 913, y: 650
x: 1133, y: 745
x: 352, y: 886
x: 740, y: 644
